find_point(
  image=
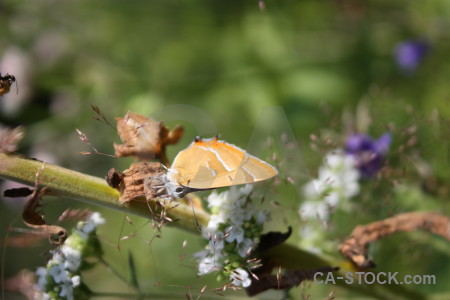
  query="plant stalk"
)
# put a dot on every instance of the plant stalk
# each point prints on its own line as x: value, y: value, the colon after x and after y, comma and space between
x: 81, y: 187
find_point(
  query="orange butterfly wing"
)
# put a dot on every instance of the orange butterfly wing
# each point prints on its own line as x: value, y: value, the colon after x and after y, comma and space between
x: 212, y: 163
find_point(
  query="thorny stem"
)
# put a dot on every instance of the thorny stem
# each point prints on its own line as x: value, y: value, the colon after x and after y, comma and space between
x: 81, y: 187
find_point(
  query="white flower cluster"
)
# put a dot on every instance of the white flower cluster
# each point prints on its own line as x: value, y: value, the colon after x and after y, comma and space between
x: 232, y: 229
x: 338, y: 181
x: 61, y: 276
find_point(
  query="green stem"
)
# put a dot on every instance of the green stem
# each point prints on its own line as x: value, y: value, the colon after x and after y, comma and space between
x: 77, y: 186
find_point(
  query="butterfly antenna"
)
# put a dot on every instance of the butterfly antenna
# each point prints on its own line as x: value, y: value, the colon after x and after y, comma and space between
x: 193, y: 212
x: 164, y: 167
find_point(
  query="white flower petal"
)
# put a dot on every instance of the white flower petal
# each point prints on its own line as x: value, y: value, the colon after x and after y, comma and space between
x: 235, y: 233
x: 72, y: 258
x: 96, y: 218
x: 59, y: 273
x: 337, y: 180
x: 208, y: 264
x: 76, y: 280
x: 240, y: 277
x: 314, y: 209
x: 66, y: 290
x: 42, y: 273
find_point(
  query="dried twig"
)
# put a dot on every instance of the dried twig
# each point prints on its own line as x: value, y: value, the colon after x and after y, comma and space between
x: 101, y: 117
x: 83, y: 137
x: 355, y: 247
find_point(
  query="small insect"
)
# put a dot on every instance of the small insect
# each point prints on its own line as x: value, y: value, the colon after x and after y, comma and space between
x: 6, y: 82
x: 211, y: 163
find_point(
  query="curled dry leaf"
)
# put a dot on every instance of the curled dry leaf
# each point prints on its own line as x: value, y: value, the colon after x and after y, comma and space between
x: 57, y: 235
x: 144, y: 138
x: 287, y: 280
x: 10, y: 138
x: 133, y: 182
x: 355, y: 247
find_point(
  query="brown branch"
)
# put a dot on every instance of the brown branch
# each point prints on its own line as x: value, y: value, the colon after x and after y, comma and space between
x: 355, y: 247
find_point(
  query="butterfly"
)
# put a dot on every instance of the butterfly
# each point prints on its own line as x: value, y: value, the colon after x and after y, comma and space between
x: 211, y: 163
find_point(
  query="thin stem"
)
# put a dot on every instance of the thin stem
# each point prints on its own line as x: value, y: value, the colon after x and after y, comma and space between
x: 114, y: 271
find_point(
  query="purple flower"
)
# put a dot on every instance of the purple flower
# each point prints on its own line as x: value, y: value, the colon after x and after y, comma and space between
x: 367, y: 152
x: 409, y: 54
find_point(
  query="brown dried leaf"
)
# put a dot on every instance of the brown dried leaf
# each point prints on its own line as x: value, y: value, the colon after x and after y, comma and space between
x: 145, y: 181
x: 144, y: 138
x: 57, y: 235
x: 355, y: 247
x: 10, y: 138
x: 139, y: 180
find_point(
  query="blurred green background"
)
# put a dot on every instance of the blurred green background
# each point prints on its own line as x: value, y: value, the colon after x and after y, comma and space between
x: 217, y: 67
